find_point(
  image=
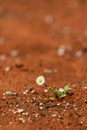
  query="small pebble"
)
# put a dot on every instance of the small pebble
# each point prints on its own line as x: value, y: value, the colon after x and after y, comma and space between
x: 22, y: 120
x: 20, y: 110
x: 14, y: 53
x: 9, y: 93
x: 40, y: 108
x: 46, y: 90
x: 25, y: 92
x: 26, y: 113
x: 79, y: 54
x: 58, y: 104
x: 3, y: 114
x: 47, y: 71
x: 33, y: 91
x: 40, y: 103
x: 81, y: 123
x: 10, y: 122
x: 54, y: 115
x: 7, y: 68
x: 48, y: 19
x: 3, y: 57
x: 61, y: 50
x: 66, y: 30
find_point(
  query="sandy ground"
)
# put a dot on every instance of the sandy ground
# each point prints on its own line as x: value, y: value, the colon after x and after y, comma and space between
x: 48, y: 38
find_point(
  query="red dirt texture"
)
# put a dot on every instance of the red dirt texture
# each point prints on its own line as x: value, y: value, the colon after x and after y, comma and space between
x: 48, y: 38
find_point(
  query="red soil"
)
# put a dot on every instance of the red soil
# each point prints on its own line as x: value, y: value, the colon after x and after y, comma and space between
x: 36, y: 29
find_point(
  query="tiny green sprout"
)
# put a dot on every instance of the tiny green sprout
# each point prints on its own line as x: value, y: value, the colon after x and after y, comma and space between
x: 61, y: 93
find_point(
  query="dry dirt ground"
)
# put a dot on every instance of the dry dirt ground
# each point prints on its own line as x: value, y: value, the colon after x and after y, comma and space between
x: 49, y: 38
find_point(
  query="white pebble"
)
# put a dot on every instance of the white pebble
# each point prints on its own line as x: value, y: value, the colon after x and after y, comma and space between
x: 20, y: 110
x: 48, y: 19
x: 46, y: 90
x: 47, y: 71
x: 26, y: 113
x: 54, y: 115
x: 3, y: 57
x: 22, y: 120
x: 61, y: 51
x: 9, y: 93
x: 14, y: 53
x: 7, y: 68
x: 79, y: 54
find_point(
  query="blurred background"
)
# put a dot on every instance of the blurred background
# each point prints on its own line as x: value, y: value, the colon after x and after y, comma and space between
x: 37, y: 26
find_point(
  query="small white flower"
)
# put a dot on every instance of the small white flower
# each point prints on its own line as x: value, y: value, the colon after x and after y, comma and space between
x: 61, y: 90
x: 40, y: 80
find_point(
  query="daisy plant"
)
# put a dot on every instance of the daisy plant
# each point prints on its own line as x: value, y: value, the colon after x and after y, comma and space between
x: 59, y: 93
x: 40, y: 80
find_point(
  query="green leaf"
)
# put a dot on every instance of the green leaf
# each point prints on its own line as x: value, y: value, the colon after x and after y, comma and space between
x: 52, y: 98
x: 62, y: 95
x: 66, y: 88
x: 54, y: 91
x: 57, y: 93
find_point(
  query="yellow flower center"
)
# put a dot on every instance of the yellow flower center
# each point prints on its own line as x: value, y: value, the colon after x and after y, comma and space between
x: 40, y: 80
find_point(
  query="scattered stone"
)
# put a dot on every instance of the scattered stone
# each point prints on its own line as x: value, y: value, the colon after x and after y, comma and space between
x: 66, y: 30
x: 36, y: 115
x: 75, y: 107
x: 3, y: 114
x: 33, y: 91
x: 10, y: 122
x: 41, y: 103
x: 3, y: 57
x: 58, y: 104
x: 47, y: 71
x: 20, y: 110
x: 40, y: 108
x: 48, y: 19
x: 7, y: 68
x: 81, y: 123
x: 14, y: 111
x: 85, y: 87
x: 25, y: 92
x: 54, y: 115
x: 14, y: 53
x: 79, y: 54
x: 22, y: 120
x: 26, y: 113
x: 61, y: 50
x: 46, y: 90
x: 60, y: 117
x: 9, y: 93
